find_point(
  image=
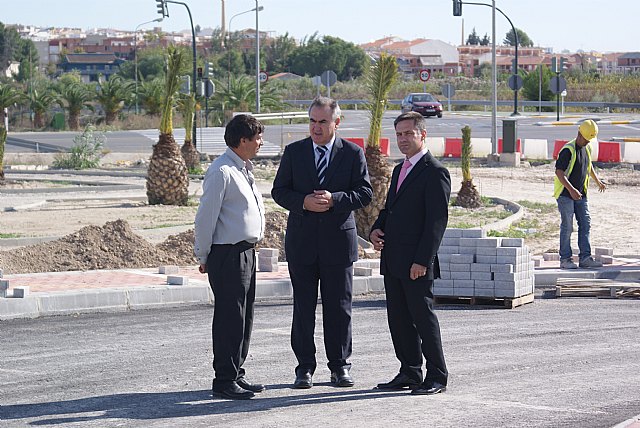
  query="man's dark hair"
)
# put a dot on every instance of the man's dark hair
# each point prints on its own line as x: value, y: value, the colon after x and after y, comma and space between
x: 327, y: 102
x: 418, y: 120
x: 242, y: 126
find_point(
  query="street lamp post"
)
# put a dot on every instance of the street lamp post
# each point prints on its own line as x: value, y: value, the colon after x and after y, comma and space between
x: 135, y: 54
x: 228, y: 37
x: 257, y: 62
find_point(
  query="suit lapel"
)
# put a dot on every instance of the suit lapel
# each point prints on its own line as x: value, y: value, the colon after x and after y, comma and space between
x: 309, y: 158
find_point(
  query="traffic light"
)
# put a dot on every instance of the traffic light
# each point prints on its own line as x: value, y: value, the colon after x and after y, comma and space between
x: 554, y: 64
x: 162, y: 8
x: 457, y: 7
x: 199, y: 72
x: 564, y: 64
x: 208, y: 70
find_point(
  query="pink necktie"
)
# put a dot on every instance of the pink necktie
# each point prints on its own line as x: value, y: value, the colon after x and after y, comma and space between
x: 403, y: 172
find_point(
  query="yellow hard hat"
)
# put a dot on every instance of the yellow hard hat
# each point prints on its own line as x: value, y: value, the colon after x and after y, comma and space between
x: 589, y: 130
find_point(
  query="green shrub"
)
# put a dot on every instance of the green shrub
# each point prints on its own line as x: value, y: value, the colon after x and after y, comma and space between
x: 85, y: 152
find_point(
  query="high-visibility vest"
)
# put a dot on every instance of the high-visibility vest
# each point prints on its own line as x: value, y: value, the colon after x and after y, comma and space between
x: 557, y: 185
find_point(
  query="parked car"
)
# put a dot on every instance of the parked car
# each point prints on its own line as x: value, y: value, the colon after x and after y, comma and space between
x: 423, y: 103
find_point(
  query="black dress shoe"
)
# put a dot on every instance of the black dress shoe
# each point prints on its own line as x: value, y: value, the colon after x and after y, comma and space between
x: 233, y: 392
x: 429, y: 388
x: 304, y: 380
x: 341, y: 377
x: 253, y: 387
x: 400, y: 382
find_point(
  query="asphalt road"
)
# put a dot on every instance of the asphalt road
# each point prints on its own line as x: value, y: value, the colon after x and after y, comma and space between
x: 553, y: 363
x: 356, y: 124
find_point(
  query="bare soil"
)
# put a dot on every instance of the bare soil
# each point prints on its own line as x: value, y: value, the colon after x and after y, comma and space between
x: 104, y: 233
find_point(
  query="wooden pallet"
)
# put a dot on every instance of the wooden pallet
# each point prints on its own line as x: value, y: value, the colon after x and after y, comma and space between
x: 602, y: 288
x: 505, y: 302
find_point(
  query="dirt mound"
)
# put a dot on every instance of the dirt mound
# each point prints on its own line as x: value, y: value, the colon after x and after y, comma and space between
x: 112, y: 246
x: 275, y: 227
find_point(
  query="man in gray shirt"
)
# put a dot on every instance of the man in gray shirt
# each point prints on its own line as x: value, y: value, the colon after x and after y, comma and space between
x: 229, y: 222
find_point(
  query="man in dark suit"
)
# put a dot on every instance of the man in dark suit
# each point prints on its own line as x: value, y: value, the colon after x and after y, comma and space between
x: 408, y: 231
x: 321, y: 180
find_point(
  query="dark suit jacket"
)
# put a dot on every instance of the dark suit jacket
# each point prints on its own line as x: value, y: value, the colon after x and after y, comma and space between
x: 329, y: 237
x: 414, y: 219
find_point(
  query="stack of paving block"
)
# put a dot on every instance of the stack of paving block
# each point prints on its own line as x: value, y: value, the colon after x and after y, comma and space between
x: 472, y: 265
x: 268, y: 259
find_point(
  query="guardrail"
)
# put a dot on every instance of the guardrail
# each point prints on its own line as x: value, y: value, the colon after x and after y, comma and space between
x: 280, y: 115
x: 585, y: 104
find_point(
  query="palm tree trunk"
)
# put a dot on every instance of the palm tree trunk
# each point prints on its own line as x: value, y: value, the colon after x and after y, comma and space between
x: 74, y: 120
x: 190, y: 155
x: 380, y: 176
x: 167, y: 177
x: 3, y: 140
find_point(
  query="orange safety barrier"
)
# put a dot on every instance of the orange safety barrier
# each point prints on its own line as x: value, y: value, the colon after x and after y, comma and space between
x: 453, y: 147
x: 385, y: 149
x: 609, y: 151
x: 518, y: 146
x: 557, y: 146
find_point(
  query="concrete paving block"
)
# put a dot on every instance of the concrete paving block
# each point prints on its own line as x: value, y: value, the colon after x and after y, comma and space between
x: 83, y: 301
x: 459, y: 267
x: 369, y: 252
x: 268, y: 252
x: 177, y: 280
x: 461, y: 258
x: 376, y: 284
x: 474, y: 233
x: 484, y: 284
x: 268, y: 265
x: 463, y: 283
x: 468, y: 250
x: 360, y: 286
x: 445, y: 274
x: 1, y: 273
x: 449, y: 249
x: 486, y: 259
x: 507, y: 260
x: 21, y: 292
x: 507, y: 293
x: 504, y: 276
x: 484, y: 276
x: 606, y: 260
x: 443, y: 291
x: 444, y: 266
x: 452, y: 232
x: 598, y: 251
x: 362, y: 271
x: 446, y: 258
x: 502, y: 268
x: 450, y: 242
x: 486, y: 251
x: 488, y: 242
x: 274, y: 288
x: 484, y: 292
x: 463, y: 292
x: 505, y: 285
x: 468, y: 242
x: 512, y: 242
x: 508, y: 251
x: 480, y: 267
x: 4, y: 287
x: 447, y: 283
x: 551, y: 257
x: 537, y: 261
x: 168, y: 270
x: 460, y: 275
x: 19, y: 308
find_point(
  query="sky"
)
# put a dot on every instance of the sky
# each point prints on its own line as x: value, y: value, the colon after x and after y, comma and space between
x: 605, y: 26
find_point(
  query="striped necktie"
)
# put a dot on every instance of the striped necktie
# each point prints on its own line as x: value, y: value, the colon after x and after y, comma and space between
x: 321, y: 166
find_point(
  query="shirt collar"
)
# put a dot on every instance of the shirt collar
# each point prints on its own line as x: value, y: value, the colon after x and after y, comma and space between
x: 238, y: 160
x: 329, y: 145
x: 415, y: 158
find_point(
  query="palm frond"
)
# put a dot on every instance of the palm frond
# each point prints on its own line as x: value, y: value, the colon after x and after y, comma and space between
x: 381, y: 76
x: 175, y: 58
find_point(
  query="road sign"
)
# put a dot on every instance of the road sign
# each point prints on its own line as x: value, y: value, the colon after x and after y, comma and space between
x: 263, y: 76
x: 328, y: 78
x: 557, y: 84
x: 448, y: 90
x: 425, y: 75
x: 515, y: 82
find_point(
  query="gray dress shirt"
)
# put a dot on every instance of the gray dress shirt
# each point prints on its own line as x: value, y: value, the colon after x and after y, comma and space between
x: 231, y: 208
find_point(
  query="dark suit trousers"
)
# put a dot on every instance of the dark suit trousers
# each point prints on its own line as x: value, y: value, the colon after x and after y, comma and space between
x: 336, y: 284
x: 232, y: 276
x: 414, y: 327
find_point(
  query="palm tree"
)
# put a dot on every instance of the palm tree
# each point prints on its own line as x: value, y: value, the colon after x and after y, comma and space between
x: 112, y: 95
x: 187, y: 107
x: 9, y: 95
x: 151, y: 95
x: 240, y: 94
x: 468, y: 196
x: 41, y: 97
x: 167, y: 177
x: 74, y: 96
x: 378, y: 81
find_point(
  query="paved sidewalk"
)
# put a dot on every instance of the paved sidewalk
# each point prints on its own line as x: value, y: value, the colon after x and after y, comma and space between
x: 58, y: 293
